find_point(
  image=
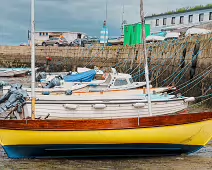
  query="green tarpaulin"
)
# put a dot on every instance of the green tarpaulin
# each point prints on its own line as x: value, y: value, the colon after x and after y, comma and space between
x: 132, y: 34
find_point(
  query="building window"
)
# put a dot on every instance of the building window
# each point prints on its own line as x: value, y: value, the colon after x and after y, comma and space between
x: 164, y: 21
x: 210, y: 16
x: 46, y: 33
x: 190, y: 18
x: 181, y: 19
x: 157, y: 22
x: 40, y: 34
x: 201, y: 17
x: 173, y: 20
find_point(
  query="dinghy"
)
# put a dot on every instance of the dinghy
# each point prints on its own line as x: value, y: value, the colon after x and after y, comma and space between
x: 6, y: 73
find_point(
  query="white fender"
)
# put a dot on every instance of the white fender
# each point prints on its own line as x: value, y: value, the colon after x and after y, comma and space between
x: 190, y: 99
x: 99, y: 106
x: 70, y: 106
x: 139, y: 105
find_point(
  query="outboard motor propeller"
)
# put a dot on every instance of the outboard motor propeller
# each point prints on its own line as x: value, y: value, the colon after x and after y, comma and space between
x: 15, y: 97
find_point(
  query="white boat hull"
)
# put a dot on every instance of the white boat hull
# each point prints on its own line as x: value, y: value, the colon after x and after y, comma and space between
x: 104, y: 109
x: 6, y: 73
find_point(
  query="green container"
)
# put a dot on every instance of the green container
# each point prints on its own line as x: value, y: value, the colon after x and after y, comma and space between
x: 132, y: 34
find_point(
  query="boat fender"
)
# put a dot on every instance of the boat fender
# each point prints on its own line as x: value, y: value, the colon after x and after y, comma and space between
x: 99, y: 106
x: 70, y: 106
x: 68, y: 92
x: 190, y: 99
x: 46, y: 93
x: 139, y: 105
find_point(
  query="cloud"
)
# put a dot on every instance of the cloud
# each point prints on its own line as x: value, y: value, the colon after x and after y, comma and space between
x: 76, y: 15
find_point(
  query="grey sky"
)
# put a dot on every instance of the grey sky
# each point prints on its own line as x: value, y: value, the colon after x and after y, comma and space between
x: 76, y: 15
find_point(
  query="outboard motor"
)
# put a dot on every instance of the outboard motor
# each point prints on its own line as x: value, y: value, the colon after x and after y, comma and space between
x: 15, y: 97
x: 54, y: 82
x: 69, y: 73
x: 40, y: 76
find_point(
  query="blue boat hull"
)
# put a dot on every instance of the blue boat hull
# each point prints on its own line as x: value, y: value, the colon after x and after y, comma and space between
x: 81, y: 77
x: 98, y: 151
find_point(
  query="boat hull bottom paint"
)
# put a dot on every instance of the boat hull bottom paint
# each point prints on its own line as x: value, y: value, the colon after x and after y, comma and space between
x: 98, y: 151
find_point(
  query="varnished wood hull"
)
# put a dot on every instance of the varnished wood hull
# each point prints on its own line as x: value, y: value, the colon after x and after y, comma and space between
x: 153, y: 136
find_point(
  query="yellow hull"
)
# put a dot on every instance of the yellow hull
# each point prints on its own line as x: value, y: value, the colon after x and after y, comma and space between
x: 194, y: 134
x: 189, y: 134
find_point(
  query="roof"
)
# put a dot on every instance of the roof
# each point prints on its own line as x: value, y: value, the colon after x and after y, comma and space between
x: 183, y: 10
x: 197, y: 31
x: 155, y: 38
x: 60, y: 32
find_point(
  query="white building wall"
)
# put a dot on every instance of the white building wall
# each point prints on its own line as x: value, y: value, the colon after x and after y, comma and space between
x: 154, y: 28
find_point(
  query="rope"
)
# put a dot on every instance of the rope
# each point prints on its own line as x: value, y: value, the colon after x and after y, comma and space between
x: 195, y: 76
x: 92, y: 58
x: 179, y: 74
x: 204, y: 96
x: 199, y: 103
x: 196, y: 83
x: 182, y: 76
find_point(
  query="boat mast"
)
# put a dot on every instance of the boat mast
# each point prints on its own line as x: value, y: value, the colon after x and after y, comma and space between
x: 122, y: 24
x: 105, y: 21
x: 145, y: 55
x: 33, y: 57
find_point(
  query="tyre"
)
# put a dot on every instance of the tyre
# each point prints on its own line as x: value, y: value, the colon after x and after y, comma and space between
x: 57, y: 44
x: 44, y: 44
x: 192, y: 72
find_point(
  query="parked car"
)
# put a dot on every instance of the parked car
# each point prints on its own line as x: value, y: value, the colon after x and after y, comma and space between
x: 55, y: 41
x: 86, y: 40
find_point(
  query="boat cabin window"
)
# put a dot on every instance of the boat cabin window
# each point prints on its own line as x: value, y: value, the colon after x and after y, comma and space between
x: 120, y: 82
x: 131, y: 80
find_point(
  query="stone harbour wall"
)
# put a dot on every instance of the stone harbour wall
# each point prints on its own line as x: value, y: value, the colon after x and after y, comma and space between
x: 171, y: 62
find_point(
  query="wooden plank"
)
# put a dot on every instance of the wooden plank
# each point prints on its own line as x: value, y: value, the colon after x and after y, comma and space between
x: 107, y: 124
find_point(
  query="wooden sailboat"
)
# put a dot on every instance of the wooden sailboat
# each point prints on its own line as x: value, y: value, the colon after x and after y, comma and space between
x: 152, y: 136
x: 131, y: 136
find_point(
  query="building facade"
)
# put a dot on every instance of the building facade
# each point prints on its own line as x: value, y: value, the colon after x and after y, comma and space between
x: 165, y: 22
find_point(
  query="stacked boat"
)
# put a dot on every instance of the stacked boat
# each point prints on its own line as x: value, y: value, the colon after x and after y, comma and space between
x: 14, y: 72
x: 79, y: 84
